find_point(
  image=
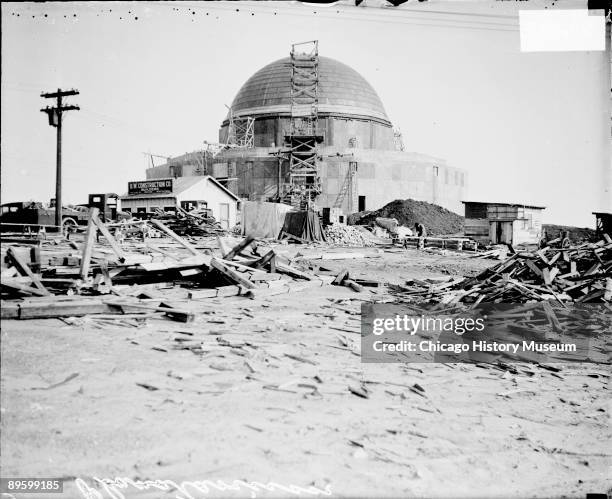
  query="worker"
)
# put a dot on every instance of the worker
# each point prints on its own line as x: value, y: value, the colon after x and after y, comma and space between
x: 421, y: 234
x: 543, y: 239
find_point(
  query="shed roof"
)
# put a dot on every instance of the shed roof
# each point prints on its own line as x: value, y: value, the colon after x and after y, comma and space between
x: 518, y: 205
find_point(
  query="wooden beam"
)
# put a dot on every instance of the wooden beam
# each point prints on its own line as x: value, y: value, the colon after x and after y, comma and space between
x: 239, y: 247
x: 264, y: 259
x: 89, y: 243
x: 192, y: 249
x: 173, y: 313
x: 17, y: 286
x: 111, y: 240
x: 344, y: 273
x: 232, y: 275
x: 24, y: 269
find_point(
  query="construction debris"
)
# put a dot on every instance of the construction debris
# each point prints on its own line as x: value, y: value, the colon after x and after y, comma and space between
x: 581, y: 273
x: 346, y: 235
x: 112, y: 276
x: 190, y: 223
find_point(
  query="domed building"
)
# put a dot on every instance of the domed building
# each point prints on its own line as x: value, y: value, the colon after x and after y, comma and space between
x: 359, y: 160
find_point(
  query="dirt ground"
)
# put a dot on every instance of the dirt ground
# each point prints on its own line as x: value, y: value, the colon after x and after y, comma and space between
x: 260, y: 393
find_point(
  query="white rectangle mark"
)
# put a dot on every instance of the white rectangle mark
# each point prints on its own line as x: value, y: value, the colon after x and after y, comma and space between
x: 562, y: 30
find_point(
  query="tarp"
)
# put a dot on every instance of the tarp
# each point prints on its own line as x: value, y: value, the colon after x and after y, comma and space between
x: 304, y: 224
x: 261, y: 219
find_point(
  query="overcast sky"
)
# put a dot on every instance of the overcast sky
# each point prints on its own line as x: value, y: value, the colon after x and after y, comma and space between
x: 528, y: 127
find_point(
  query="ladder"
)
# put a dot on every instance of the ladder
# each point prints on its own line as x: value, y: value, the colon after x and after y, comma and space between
x: 348, y: 187
x: 303, y: 136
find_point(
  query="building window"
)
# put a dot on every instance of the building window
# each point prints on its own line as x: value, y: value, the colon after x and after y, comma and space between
x: 446, y: 175
x: 436, y: 170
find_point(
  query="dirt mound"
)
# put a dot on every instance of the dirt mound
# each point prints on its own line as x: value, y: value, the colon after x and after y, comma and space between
x: 437, y: 220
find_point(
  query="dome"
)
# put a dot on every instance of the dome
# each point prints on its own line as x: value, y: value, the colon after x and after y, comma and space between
x: 342, y: 92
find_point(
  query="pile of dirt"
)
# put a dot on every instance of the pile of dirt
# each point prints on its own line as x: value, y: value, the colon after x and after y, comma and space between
x: 437, y: 220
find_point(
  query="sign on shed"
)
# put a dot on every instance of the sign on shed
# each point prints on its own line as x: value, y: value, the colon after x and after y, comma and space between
x: 150, y: 187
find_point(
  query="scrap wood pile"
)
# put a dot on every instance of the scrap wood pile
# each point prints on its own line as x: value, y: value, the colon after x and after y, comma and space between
x: 581, y: 273
x: 64, y: 279
x: 346, y: 235
x: 190, y: 223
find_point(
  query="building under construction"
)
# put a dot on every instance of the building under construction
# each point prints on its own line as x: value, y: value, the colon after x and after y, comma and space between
x: 309, y: 130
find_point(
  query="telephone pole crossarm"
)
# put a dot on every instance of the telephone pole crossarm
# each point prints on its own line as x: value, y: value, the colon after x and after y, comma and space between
x: 55, y: 120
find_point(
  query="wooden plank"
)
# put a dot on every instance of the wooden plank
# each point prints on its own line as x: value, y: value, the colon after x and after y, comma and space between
x: 192, y: 249
x: 9, y: 310
x: 239, y: 247
x: 263, y: 261
x: 231, y: 274
x: 89, y: 243
x: 17, y: 286
x: 290, y: 287
x: 23, y: 267
x: 292, y: 271
x: 74, y: 308
x: 353, y: 285
x: 109, y: 238
x: 549, y: 275
x: 189, y: 262
x: 342, y: 275
x: 536, y: 270
x: 198, y: 294
x: 172, y: 312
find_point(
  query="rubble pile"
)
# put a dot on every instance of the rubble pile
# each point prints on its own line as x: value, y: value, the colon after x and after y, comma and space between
x: 108, y: 277
x: 346, y: 235
x: 190, y: 223
x: 581, y: 273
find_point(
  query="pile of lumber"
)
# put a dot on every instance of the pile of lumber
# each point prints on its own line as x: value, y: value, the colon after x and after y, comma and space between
x: 581, y: 273
x: 346, y: 235
x: 64, y: 278
x: 190, y: 223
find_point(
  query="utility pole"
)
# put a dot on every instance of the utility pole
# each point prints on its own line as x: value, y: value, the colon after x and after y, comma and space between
x: 55, y: 120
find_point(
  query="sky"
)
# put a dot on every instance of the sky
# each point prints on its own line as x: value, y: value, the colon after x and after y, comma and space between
x: 529, y: 127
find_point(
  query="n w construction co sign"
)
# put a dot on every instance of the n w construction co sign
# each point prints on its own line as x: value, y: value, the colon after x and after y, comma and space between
x: 150, y: 187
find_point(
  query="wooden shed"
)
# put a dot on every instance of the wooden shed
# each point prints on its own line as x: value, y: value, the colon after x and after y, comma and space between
x: 500, y: 223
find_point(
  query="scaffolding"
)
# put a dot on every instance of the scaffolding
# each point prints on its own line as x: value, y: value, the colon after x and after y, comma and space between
x: 303, y: 135
x: 398, y: 139
x: 240, y: 131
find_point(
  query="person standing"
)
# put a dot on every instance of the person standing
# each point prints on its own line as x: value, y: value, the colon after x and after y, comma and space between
x: 421, y: 233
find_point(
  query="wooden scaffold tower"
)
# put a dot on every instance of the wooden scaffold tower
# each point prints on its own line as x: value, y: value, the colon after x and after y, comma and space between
x: 240, y: 131
x: 303, y: 135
